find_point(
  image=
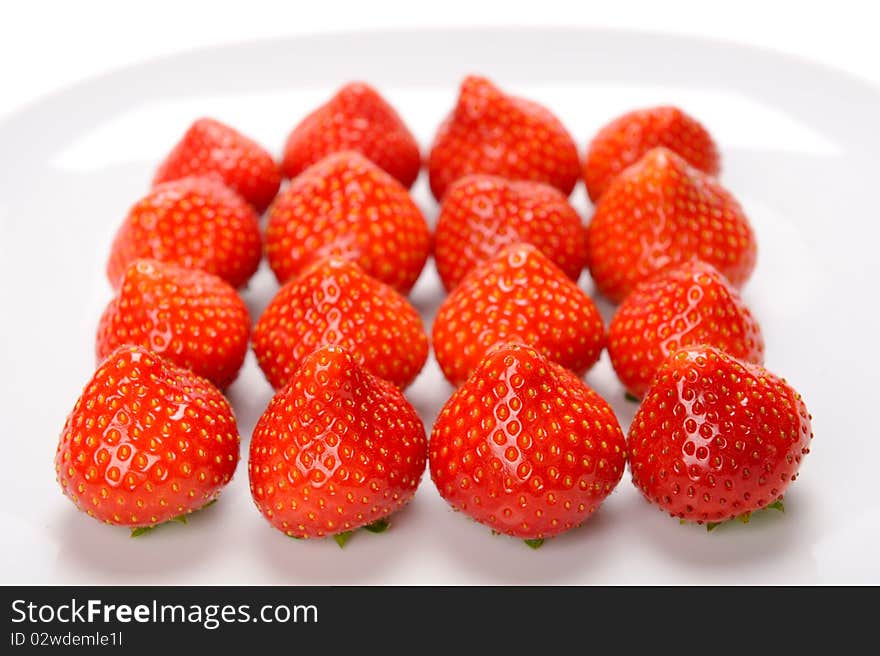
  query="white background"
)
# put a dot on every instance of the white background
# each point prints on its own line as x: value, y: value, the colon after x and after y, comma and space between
x: 63, y: 185
x: 44, y: 45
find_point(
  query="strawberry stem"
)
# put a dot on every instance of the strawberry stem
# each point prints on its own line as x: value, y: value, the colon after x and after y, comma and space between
x: 379, y: 526
x: 535, y: 543
x: 746, y: 516
x: 631, y: 397
x: 180, y: 519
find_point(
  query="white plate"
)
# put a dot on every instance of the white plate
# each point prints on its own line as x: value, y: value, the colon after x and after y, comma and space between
x: 799, y: 146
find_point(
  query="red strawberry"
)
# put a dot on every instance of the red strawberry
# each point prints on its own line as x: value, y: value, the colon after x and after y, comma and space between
x: 517, y: 296
x: 525, y: 447
x: 689, y: 304
x: 481, y: 214
x: 337, y: 449
x: 210, y: 147
x: 346, y: 206
x: 623, y: 142
x: 334, y: 302
x: 197, y: 223
x: 717, y: 438
x: 146, y: 442
x: 491, y: 132
x: 192, y: 318
x: 660, y: 212
x: 356, y: 118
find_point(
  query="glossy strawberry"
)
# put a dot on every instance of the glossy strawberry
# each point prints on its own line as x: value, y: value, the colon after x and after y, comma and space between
x: 191, y: 318
x: 689, y: 304
x: 197, y: 223
x: 660, y: 212
x: 481, y: 214
x: 337, y: 449
x: 335, y: 302
x: 210, y: 147
x: 146, y: 442
x: 623, y: 142
x: 525, y: 447
x: 491, y: 132
x: 517, y: 296
x: 717, y: 438
x: 346, y: 206
x: 356, y: 118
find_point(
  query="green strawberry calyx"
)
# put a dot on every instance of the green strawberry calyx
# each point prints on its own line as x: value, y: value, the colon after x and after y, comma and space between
x: 137, y: 531
x: 379, y: 526
x: 745, y: 517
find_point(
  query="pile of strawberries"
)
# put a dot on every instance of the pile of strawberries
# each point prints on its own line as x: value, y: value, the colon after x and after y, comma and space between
x: 523, y: 445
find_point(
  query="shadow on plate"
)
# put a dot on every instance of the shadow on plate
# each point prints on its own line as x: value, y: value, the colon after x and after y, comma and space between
x: 107, y: 552
x: 504, y: 560
x: 767, y: 540
x: 365, y: 559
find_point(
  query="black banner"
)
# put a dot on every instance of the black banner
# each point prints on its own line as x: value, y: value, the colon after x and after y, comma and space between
x: 285, y: 619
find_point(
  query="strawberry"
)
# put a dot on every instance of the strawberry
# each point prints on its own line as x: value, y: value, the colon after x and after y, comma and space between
x: 481, y: 214
x: 197, y: 223
x: 659, y: 212
x: 717, y: 438
x: 623, y: 142
x: 356, y: 118
x: 192, y: 318
x: 689, y: 304
x: 525, y: 447
x: 210, y: 147
x: 337, y: 449
x: 146, y: 442
x: 346, y: 206
x: 517, y: 296
x: 491, y: 132
x: 335, y: 302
